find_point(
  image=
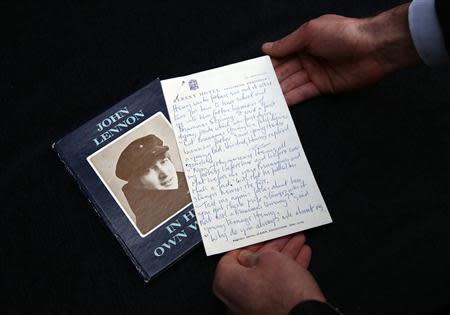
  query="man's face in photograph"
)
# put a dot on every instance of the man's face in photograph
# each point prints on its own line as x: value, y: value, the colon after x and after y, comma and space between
x: 161, y: 175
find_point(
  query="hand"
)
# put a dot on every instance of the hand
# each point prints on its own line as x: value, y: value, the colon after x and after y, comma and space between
x: 333, y: 53
x: 267, y: 279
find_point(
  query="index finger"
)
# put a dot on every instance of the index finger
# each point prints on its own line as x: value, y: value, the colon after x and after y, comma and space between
x: 278, y: 61
x: 275, y: 244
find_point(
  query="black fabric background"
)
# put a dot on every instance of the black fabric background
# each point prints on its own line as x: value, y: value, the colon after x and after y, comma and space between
x: 380, y: 156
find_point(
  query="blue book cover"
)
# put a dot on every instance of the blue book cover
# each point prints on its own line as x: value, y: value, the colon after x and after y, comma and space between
x: 126, y: 162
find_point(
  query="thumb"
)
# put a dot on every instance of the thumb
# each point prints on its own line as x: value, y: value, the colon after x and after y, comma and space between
x: 292, y: 43
x: 248, y: 258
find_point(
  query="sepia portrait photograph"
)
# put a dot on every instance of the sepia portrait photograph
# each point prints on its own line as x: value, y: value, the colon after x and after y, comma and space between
x: 143, y: 171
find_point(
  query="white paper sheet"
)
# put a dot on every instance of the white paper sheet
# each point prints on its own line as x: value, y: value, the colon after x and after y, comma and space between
x: 248, y: 176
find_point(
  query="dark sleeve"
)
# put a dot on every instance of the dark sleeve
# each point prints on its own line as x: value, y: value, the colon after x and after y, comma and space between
x: 443, y: 13
x: 314, y: 308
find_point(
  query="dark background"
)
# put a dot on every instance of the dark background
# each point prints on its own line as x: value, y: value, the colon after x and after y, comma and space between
x: 380, y: 156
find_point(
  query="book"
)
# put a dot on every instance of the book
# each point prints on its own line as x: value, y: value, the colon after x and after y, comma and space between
x: 213, y: 156
x: 104, y: 155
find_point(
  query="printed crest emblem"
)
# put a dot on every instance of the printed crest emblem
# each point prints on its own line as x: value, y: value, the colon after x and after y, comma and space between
x: 193, y: 85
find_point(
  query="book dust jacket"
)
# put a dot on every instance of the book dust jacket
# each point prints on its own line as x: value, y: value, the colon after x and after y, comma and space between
x: 126, y: 161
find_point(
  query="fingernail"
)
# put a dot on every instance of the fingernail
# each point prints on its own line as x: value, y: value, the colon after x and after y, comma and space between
x: 267, y: 46
x: 247, y: 258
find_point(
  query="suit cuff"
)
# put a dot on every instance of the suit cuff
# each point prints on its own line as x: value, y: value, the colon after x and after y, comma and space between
x: 426, y: 33
x: 312, y: 307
